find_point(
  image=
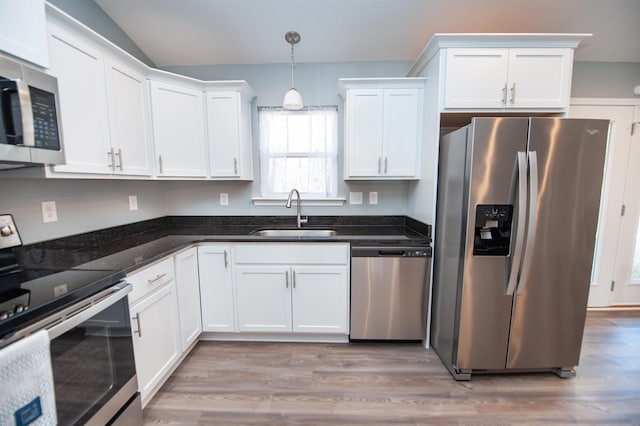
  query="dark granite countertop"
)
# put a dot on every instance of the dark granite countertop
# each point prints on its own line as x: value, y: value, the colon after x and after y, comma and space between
x: 130, y: 247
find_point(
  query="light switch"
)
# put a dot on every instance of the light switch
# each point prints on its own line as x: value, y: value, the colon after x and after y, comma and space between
x: 224, y: 199
x: 355, y: 198
x: 133, y: 202
x: 373, y: 198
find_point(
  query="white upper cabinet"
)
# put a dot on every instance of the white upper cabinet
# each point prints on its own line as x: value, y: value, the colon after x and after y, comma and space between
x: 229, y: 131
x: 23, y: 31
x: 178, y: 130
x: 524, y: 78
x: 130, y: 124
x: 104, y: 108
x: 382, y: 128
x: 80, y: 69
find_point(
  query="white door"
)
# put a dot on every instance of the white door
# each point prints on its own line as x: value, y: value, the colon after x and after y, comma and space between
x: 539, y: 78
x: 263, y: 298
x: 129, y: 120
x: 223, y: 118
x: 363, y: 132
x: 188, y: 284
x: 79, y: 68
x: 216, y: 288
x: 616, y: 272
x: 320, y: 299
x: 155, y: 337
x: 178, y: 130
x: 402, y: 122
x: 475, y: 78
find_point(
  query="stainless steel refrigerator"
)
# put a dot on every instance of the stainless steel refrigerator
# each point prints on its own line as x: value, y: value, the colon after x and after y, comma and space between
x: 517, y: 211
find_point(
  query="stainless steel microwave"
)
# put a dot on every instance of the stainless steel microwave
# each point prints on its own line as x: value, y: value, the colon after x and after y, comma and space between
x: 30, y: 131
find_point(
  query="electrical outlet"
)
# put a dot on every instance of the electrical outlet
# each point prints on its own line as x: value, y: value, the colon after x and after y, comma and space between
x: 373, y: 198
x: 133, y: 202
x: 49, y: 212
x: 224, y: 199
x: 355, y: 198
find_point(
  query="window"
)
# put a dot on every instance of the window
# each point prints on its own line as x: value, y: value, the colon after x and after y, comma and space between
x: 299, y: 149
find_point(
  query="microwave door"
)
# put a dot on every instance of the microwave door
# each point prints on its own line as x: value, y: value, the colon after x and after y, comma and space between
x: 11, y: 124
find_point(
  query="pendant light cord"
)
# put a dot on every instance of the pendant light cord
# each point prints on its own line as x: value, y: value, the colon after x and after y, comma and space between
x: 293, y: 64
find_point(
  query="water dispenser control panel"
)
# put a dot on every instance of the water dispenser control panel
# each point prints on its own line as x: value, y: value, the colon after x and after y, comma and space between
x: 492, y: 235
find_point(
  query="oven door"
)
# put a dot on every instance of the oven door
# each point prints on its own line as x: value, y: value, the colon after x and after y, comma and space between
x: 92, y: 359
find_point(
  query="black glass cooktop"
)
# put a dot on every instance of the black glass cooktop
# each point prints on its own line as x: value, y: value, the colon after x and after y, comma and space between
x: 28, y: 295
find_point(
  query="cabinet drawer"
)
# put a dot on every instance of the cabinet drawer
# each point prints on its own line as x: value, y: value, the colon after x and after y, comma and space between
x: 151, y: 278
x: 302, y: 253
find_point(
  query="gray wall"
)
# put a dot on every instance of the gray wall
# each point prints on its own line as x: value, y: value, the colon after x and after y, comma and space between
x: 605, y: 79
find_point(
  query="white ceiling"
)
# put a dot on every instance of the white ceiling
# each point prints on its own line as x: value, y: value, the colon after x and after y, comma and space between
x: 206, y: 32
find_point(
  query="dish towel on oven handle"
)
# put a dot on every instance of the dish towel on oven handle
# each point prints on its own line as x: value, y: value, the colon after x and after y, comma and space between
x: 27, y: 395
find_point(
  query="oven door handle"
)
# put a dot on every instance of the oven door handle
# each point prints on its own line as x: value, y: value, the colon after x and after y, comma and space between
x: 81, y: 312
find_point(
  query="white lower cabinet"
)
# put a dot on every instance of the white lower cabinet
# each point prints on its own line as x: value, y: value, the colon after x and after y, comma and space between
x: 299, y: 288
x: 188, y: 284
x: 216, y: 288
x: 153, y: 305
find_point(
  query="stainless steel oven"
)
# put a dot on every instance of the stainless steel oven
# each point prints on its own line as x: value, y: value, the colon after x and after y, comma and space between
x: 92, y: 359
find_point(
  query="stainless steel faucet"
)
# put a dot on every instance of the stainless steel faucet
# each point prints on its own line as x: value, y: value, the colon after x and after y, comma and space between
x: 300, y: 220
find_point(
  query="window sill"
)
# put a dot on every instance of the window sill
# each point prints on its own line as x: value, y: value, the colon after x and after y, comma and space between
x: 337, y: 202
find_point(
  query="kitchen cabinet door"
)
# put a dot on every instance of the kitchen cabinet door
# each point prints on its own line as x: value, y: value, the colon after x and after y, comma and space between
x: 402, y: 128
x: 178, y: 130
x: 320, y: 299
x: 229, y: 133
x: 156, y: 338
x: 188, y: 287
x: 80, y: 69
x: 130, y: 123
x: 364, y: 118
x: 539, y: 78
x: 216, y: 288
x: 476, y: 78
x: 263, y: 298
x: 23, y: 30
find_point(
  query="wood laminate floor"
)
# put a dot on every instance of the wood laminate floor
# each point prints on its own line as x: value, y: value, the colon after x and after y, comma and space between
x: 398, y: 384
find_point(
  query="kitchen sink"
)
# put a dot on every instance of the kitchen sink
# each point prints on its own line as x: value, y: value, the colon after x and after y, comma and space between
x: 301, y: 232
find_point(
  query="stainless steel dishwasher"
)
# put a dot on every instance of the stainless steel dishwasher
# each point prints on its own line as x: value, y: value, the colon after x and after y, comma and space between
x: 389, y: 292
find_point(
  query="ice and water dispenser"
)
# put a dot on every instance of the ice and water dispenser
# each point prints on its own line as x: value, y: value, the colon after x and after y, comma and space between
x: 492, y: 229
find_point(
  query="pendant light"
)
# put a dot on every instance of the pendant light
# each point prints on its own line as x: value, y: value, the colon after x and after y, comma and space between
x: 292, y: 99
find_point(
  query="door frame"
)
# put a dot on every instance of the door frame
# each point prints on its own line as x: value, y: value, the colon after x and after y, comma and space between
x: 604, y: 273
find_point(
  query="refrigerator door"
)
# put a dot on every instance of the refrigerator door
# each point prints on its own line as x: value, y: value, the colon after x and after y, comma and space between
x: 485, y: 305
x: 551, y: 297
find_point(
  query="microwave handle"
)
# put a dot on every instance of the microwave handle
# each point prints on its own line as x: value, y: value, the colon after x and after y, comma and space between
x: 20, y: 88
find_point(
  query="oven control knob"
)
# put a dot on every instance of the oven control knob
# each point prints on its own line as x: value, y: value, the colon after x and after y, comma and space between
x: 6, y: 230
x: 19, y: 308
x: 4, y: 315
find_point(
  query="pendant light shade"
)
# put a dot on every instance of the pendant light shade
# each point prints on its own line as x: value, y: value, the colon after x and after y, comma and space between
x: 292, y: 99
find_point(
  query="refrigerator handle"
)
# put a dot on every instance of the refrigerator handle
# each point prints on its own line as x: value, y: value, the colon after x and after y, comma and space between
x: 520, y: 179
x: 533, y: 213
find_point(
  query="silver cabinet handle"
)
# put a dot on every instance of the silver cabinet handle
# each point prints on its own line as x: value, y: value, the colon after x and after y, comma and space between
x: 139, y: 330
x: 119, y: 155
x: 111, y: 154
x: 226, y: 263
x: 157, y: 278
x: 286, y: 275
x: 294, y: 279
x: 513, y: 94
x: 504, y: 94
x: 386, y: 161
x: 160, y: 163
x: 379, y: 165
x: 235, y: 166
